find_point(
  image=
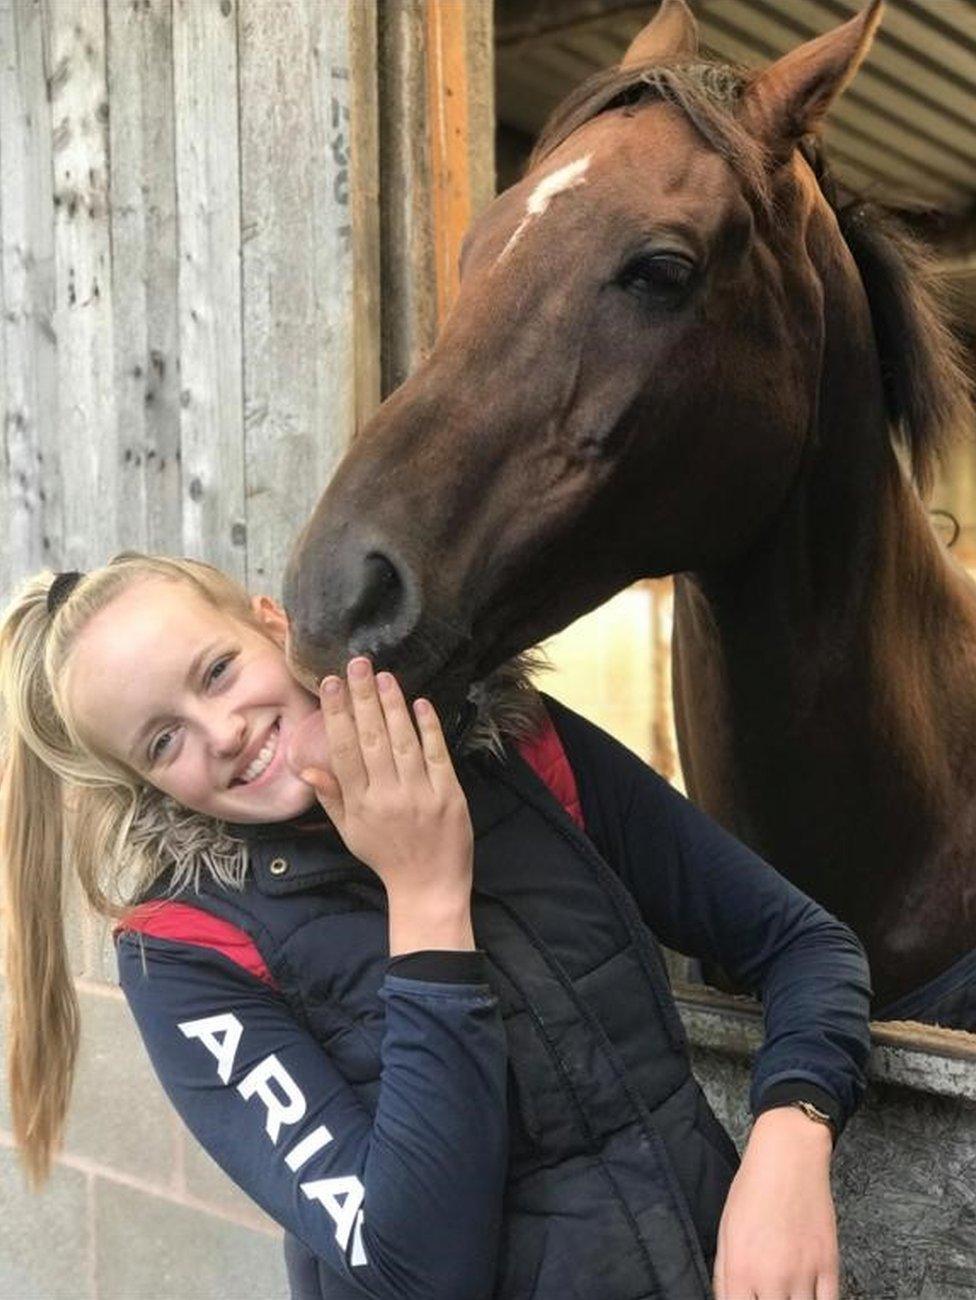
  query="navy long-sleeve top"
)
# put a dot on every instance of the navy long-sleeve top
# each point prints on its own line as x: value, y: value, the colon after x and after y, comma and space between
x: 262, y: 1096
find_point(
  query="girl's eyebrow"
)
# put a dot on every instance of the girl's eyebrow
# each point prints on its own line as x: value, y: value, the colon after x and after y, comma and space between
x: 157, y: 718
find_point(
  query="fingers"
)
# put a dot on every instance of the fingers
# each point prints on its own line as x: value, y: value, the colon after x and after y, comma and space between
x: 404, y: 743
x: 440, y: 770
x: 371, y: 735
x: 345, y: 754
x: 374, y: 740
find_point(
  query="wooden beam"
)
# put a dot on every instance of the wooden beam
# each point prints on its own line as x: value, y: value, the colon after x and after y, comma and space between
x: 519, y: 20
x: 741, y: 1026
x: 447, y: 98
x: 408, y: 300
x: 437, y: 167
x: 458, y: 39
x: 364, y: 192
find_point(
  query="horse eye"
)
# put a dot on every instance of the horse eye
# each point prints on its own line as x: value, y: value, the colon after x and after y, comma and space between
x: 657, y: 277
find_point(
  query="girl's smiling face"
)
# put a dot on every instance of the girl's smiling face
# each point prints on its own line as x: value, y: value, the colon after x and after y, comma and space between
x: 197, y: 702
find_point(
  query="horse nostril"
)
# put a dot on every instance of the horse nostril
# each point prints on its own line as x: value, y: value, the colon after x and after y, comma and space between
x: 379, y: 600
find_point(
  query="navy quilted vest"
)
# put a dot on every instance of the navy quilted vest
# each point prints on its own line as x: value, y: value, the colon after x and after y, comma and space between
x: 618, y: 1169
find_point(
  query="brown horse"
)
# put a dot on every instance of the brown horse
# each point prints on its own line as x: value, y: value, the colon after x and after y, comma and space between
x: 674, y: 351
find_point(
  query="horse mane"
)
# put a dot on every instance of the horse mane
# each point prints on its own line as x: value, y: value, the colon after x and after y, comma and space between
x: 927, y: 386
x: 927, y: 389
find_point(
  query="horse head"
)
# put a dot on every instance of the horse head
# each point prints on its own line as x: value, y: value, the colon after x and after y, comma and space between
x: 625, y: 386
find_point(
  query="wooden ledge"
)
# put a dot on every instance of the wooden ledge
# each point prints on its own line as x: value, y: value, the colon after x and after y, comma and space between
x: 927, y: 1058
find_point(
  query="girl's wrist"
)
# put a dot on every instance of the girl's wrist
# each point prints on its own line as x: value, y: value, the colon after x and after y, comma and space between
x: 441, y: 920
x: 788, y: 1125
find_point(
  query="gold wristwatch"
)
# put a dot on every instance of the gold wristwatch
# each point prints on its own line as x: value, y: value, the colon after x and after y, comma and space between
x: 815, y: 1113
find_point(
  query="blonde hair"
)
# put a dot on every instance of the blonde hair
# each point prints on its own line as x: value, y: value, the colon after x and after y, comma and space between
x: 64, y: 807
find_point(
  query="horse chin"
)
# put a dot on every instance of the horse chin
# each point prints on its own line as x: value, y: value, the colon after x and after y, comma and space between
x: 448, y: 686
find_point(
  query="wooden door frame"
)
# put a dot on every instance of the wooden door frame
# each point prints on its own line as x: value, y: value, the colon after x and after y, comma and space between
x: 437, y: 161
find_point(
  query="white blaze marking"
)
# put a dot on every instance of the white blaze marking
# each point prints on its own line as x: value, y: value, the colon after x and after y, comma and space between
x: 566, y: 178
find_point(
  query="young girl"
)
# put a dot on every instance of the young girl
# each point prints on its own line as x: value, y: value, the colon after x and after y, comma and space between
x: 430, y: 1034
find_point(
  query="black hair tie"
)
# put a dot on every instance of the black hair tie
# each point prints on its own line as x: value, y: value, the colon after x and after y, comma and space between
x: 61, y: 588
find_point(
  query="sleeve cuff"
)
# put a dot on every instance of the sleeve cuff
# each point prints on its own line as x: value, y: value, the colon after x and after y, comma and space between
x: 440, y: 966
x: 789, y: 1090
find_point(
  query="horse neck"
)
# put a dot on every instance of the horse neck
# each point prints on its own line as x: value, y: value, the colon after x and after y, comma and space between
x: 812, y: 678
x: 820, y: 578
x: 850, y: 570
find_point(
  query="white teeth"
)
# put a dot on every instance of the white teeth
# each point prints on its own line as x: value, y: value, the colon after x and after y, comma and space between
x: 258, y: 765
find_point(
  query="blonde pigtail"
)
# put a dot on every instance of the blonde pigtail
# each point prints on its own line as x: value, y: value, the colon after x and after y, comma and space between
x: 42, y: 1007
x: 41, y: 1004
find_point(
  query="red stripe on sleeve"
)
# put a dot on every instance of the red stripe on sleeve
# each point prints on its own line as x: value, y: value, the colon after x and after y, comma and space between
x: 185, y: 924
x: 545, y: 754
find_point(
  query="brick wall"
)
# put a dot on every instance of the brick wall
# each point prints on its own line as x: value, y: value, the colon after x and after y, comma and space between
x: 135, y: 1209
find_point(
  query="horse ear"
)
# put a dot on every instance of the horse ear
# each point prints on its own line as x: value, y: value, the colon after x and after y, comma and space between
x: 672, y: 33
x: 789, y: 98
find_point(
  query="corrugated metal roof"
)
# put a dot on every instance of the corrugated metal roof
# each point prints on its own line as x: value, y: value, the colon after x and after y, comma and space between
x: 905, y: 130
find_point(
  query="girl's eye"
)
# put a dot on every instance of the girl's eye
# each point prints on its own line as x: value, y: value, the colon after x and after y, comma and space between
x: 158, y: 746
x: 218, y: 669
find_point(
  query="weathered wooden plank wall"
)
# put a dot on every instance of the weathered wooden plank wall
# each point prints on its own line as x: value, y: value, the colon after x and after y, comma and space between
x: 298, y: 266
x: 143, y: 207
x: 190, y: 230
x: 27, y: 268
x: 87, y: 421
x: 190, y: 312
x: 209, y: 290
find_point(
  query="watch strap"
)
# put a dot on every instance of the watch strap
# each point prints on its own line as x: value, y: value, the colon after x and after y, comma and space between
x: 788, y: 1092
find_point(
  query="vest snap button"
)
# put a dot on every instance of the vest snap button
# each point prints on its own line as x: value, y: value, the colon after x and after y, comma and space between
x: 278, y: 866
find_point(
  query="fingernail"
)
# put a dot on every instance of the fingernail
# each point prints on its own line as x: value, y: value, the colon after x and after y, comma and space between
x: 422, y: 706
x: 384, y: 681
x: 332, y: 685
x: 359, y: 667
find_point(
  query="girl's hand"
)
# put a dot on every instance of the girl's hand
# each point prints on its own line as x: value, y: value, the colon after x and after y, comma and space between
x: 395, y: 799
x: 778, y: 1235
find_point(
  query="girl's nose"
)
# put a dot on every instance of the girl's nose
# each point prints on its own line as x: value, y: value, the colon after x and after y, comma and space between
x: 228, y: 734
